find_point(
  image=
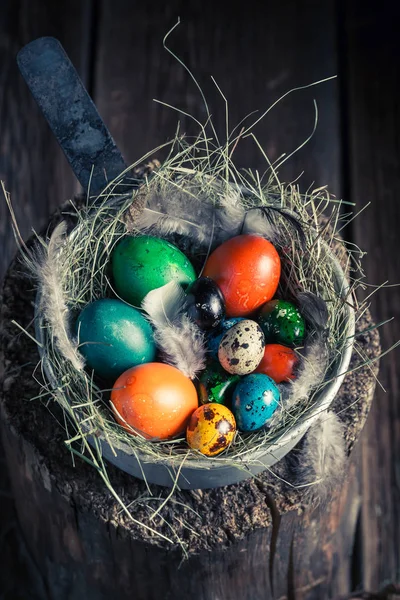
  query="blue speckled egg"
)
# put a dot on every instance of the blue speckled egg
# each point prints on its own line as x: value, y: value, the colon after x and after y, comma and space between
x: 114, y: 337
x: 214, y: 338
x: 255, y: 399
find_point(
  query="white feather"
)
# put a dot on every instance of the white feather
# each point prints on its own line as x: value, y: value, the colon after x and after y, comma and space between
x: 53, y: 306
x: 320, y: 466
x: 164, y: 303
x: 178, y: 337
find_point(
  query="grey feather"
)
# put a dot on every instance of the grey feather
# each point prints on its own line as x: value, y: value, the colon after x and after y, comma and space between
x: 229, y: 215
x: 206, y: 215
x: 43, y: 263
x: 264, y: 221
x: 182, y: 345
x: 179, y: 339
x: 175, y: 212
x: 310, y: 374
x: 314, y: 310
x: 254, y: 222
x: 320, y: 464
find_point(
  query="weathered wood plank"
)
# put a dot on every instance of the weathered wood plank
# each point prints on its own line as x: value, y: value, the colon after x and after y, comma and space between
x: 265, y: 64
x: 38, y: 177
x: 32, y: 165
x: 255, y: 56
x: 372, y: 49
x: 322, y: 568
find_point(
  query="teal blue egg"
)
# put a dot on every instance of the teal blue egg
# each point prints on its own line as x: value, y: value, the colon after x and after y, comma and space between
x: 214, y: 338
x: 216, y: 385
x: 114, y: 337
x: 254, y: 401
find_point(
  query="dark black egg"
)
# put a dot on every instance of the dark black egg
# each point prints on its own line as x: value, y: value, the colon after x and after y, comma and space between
x: 205, y: 303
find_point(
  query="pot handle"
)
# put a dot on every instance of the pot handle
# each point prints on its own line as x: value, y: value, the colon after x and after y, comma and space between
x: 72, y: 115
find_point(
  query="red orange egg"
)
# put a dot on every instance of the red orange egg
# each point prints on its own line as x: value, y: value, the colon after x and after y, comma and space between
x: 278, y: 363
x: 154, y: 399
x: 247, y: 269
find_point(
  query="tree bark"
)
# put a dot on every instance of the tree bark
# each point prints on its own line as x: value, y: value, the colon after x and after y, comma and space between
x: 256, y: 539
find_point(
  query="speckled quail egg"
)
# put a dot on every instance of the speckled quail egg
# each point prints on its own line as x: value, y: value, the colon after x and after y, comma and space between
x: 242, y: 348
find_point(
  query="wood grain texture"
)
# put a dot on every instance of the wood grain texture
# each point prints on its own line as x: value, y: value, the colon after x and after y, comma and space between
x: 255, y: 56
x: 322, y: 568
x: 32, y: 166
x: 38, y: 178
x: 254, y: 540
x: 373, y: 114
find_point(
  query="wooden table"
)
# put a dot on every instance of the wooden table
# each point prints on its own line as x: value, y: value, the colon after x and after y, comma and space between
x: 256, y: 53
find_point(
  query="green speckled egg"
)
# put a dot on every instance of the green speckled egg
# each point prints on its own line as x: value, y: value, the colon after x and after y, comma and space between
x: 143, y: 263
x: 114, y: 337
x: 281, y: 323
x: 216, y: 385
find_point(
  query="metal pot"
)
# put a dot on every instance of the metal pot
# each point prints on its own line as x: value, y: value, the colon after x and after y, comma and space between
x: 203, y: 473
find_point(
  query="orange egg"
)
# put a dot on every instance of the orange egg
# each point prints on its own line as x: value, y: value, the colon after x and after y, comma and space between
x: 154, y: 399
x: 278, y: 363
x: 247, y: 269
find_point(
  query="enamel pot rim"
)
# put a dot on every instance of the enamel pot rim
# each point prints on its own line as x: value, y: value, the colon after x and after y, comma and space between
x: 203, y: 473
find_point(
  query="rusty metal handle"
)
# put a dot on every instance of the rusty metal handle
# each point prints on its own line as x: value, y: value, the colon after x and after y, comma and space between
x: 71, y: 113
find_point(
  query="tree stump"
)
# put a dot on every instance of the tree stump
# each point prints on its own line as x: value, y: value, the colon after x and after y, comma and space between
x: 254, y: 540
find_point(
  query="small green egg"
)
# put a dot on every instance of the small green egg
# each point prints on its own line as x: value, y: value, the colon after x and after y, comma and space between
x: 216, y: 385
x: 114, y: 337
x: 143, y: 263
x: 282, y: 323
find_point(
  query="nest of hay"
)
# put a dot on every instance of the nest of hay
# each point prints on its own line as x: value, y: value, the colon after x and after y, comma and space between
x: 218, y: 202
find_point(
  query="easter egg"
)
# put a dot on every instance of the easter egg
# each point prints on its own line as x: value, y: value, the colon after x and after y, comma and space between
x: 254, y: 401
x: 216, y: 385
x: 143, y: 263
x: 211, y: 429
x: 155, y: 399
x: 247, y: 270
x: 278, y: 362
x: 214, y: 337
x: 242, y: 347
x: 205, y: 303
x: 282, y: 322
x: 113, y: 337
